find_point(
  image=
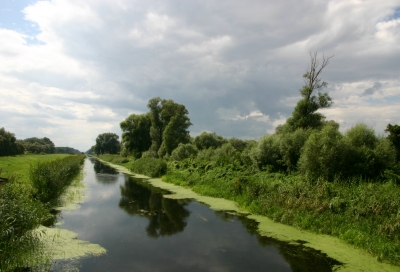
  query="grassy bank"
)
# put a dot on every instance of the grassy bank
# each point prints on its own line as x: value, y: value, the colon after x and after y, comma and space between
x: 364, y: 214
x: 18, y: 166
x: 25, y: 203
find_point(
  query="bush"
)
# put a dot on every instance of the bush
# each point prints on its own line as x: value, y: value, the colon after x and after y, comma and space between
x: 290, y: 145
x: 150, y: 167
x: 206, y: 140
x: 267, y: 153
x: 323, y: 155
x: 184, y: 151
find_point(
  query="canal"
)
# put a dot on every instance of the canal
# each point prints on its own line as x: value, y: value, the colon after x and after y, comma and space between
x: 143, y: 231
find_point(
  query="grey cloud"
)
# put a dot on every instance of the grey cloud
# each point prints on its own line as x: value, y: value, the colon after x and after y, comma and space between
x: 375, y: 88
x: 242, y: 55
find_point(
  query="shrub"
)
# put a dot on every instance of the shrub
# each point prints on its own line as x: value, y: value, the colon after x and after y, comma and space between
x: 323, y: 154
x: 267, y: 154
x: 150, y: 154
x: 149, y: 166
x: 206, y: 140
x: 184, y: 151
x: 290, y: 145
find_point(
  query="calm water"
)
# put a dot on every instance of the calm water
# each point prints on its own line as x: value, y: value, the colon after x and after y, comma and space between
x: 142, y: 231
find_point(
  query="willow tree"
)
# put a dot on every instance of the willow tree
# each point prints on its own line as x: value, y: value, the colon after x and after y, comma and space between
x: 305, y: 113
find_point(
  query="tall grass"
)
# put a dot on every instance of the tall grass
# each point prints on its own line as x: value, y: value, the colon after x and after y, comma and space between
x: 25, y: 205
x: 51, y: 178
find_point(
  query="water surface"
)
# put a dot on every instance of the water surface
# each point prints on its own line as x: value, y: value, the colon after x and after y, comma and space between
x: 143, y: 231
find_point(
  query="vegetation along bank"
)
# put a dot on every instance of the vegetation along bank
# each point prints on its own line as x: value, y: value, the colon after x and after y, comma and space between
x: 307, y: 174
x: 34, y: 184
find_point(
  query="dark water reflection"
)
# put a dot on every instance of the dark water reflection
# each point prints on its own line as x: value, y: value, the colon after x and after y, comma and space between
x: 166, y: 216
x: 143, y: 231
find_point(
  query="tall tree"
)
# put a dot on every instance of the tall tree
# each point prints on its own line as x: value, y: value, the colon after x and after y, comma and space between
x: 394, y: 137
x: 136, y: 134
x: 169, y: 125
x: 305, y: 114
x: 107, y: 143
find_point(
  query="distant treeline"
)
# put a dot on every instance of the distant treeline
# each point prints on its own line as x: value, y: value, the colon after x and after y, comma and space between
x: 66, y: 150
x: 10, y: 145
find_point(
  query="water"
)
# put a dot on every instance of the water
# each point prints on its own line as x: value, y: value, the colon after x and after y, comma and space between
x: 142, y: 231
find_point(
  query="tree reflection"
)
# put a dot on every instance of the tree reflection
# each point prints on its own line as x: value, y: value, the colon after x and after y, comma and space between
x: 166, y: 216
x: 104, y: 174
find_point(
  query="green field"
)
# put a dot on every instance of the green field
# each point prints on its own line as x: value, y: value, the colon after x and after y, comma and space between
x: 18, y: 166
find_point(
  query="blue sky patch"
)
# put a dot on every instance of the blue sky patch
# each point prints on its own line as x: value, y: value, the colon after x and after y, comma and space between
x: 12, y: 17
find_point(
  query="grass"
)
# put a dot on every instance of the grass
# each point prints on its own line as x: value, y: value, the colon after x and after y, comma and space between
x: 33, y: 181
x: 18, y: 166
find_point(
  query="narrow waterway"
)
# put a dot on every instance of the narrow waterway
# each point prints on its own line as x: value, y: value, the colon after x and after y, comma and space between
x: 143, y: 231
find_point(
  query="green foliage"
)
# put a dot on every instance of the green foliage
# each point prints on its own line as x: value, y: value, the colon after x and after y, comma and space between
x: 238, y: 144
x: 19, y: 215
x: 169, y: 124
x: 184, y: 151
x: 9, y: 146
x: 267, y: 155
x: 116, y: 159
x: 323, y: 155
x: 21, y: 212
x: 206, y: 140
x: 328, y: 154
x: 151, y: 167
x: 51, y: 178
x: 107, y: 143
x: 394, y: 137
x: 136, y: 134
x: 38, y: 145
x: 290, y: 146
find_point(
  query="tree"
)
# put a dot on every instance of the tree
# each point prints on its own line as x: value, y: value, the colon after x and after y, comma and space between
x: 38, y: 145
x: 305, y: 114
x: 9, y: 146
x: 136, y: 134
x: 107, y: 143
x: 394, y: 137
x: 169, y: 124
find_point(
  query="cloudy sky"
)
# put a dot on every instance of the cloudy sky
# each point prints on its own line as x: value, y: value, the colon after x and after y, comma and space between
x: 72, y: 69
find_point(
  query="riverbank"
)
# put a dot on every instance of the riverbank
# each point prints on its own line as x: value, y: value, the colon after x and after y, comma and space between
x: 27, y: 201
x: 354, y: 259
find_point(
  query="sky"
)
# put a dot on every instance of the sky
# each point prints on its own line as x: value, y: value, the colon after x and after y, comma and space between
x: 71, y: 69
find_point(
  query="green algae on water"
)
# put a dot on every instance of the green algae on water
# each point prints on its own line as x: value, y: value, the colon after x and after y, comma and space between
x: 74, y: 195
x: 63, y: 244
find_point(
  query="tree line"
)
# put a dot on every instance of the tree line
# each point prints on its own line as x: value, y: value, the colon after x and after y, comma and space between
x: 11, y: 146
x: 307, y: 143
